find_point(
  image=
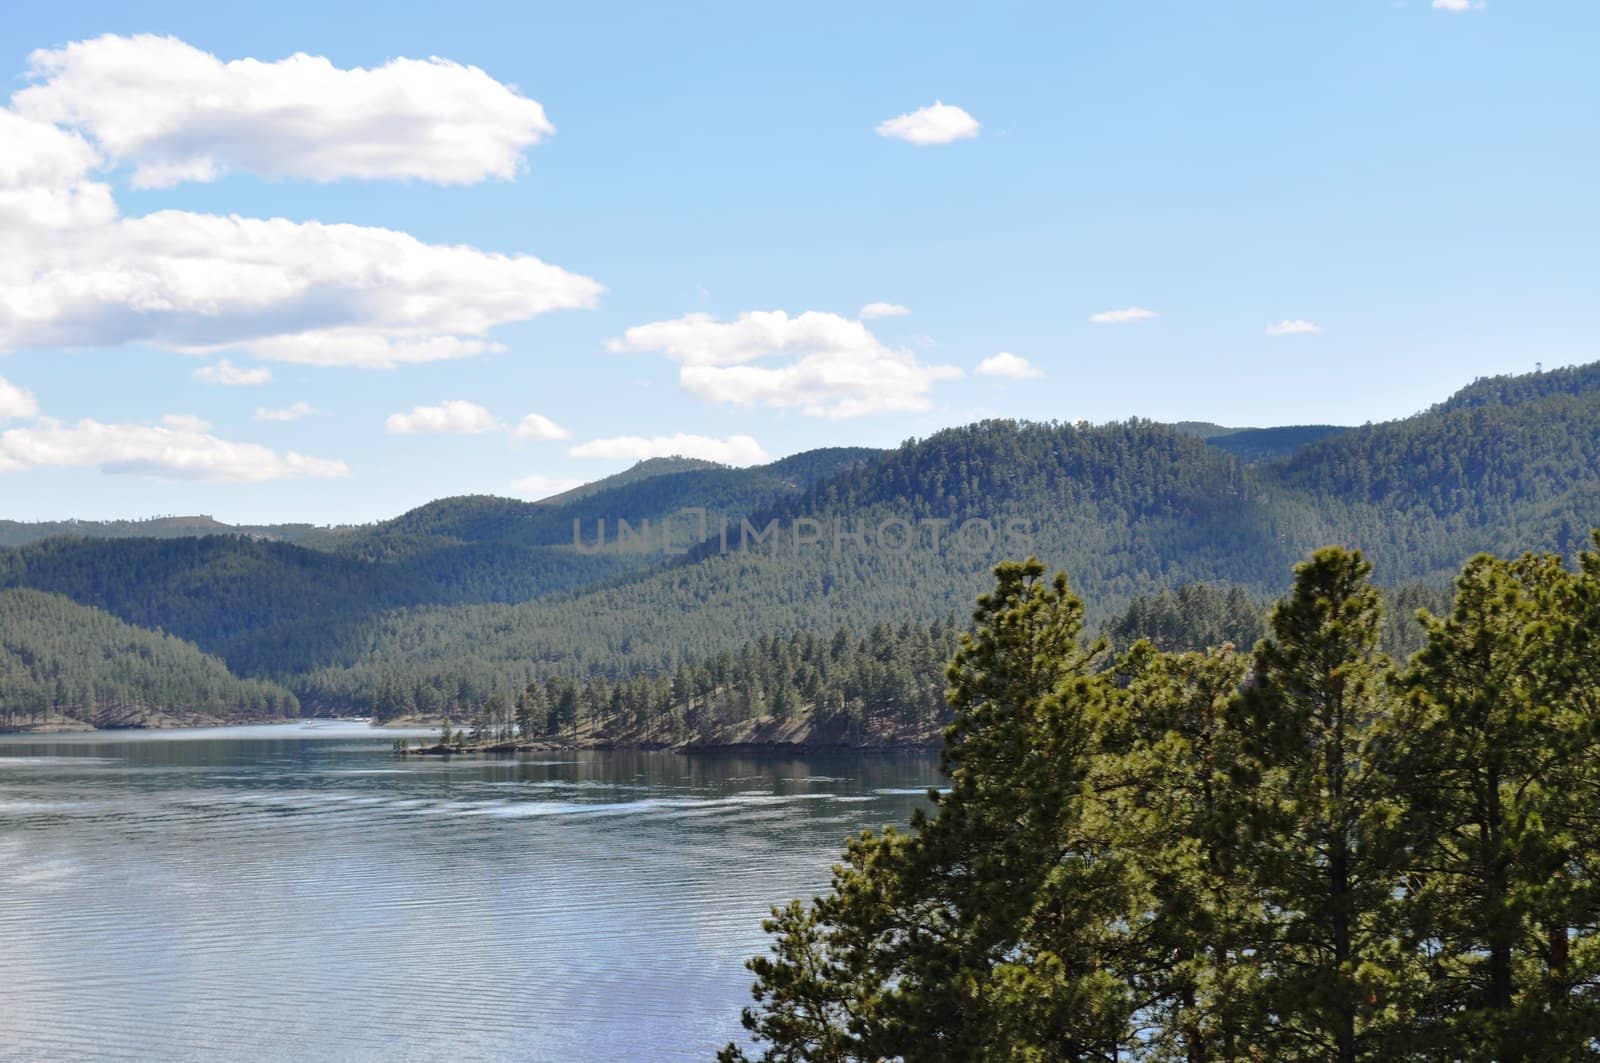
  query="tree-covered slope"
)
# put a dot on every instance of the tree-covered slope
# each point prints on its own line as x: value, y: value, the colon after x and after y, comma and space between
x: 20, y: 533
x: 60, y: 659
x: 1264, y: 444
x: 277, y: 609
x: 1513, y: 390
x: 1130, y: 507
x: 472, y: 594
x: 1421, y: 493
x: 672, y: 487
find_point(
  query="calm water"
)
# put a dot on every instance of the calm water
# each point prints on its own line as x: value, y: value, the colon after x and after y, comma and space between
x: 296, y: 893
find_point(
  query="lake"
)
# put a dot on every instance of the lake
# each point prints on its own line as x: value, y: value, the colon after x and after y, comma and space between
x: 299, y: 893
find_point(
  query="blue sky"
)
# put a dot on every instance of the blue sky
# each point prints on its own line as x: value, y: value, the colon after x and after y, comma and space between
x: 1417, y: 183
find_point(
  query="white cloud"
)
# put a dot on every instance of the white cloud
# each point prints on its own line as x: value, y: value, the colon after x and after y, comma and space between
x: 940, y: 123
x: 1292, y: 328
x: 1009, y: 365
x: 1459, y: 5
x: 451, y: 417
x: 840, y: 369
x: 1122, y: 317
x: 284, y: 291
x: 538, y: 426
x: 74, y: 274
x: 176, y: 113
x: 186, y: 422
x: 734, y: 450
x: 872, y: 310
x: 16, y: 402
x: 539, y: 486
x: 42, y: 177
x: 181, y: 448
x: 230, y: 375
x: 292, y: 412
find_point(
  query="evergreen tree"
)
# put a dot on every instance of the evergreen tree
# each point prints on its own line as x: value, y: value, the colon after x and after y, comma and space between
x: 1317, y: 815
x: 1173, y: 809
x: 1497, y: 749
x: 987, y: 931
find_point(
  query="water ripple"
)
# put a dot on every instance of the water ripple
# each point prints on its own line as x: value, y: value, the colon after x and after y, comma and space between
x: 290, y: 894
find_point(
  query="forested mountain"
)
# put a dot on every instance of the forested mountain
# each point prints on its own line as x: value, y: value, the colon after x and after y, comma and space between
x: 1477, y: 477
x: 1258, y: 444
x: 62, y: 660
x: 1525, y: 387
x: 470, y: 596
x: 642, y: 470
x: 1262, y: 444
x: 20, y: 533
x: 1128, y: 507
x: 724, y: 493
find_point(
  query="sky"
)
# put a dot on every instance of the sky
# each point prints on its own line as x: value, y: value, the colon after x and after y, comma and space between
x: 326, y: 262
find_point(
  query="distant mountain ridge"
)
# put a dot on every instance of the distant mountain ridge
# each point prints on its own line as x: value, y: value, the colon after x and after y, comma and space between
x: 467, y: 595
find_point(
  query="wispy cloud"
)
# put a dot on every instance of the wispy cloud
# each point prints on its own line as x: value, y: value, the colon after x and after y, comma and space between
x: 872, y: 310
x: 292, y: 412
x: 1459, y: 5
x: 229, y: 375
x: 734, y: 450
x: 1294, y: 327
x: 181, y: 448
x: 1122, y: 317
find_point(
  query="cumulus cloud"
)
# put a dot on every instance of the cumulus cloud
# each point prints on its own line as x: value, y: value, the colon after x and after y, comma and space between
x: 839, y: 368
x: 1293, y: 328
x: 539, y: 486
x: 941, y: 123
x: 538, y: 426
x: 293, y: 412
x: 734, y: 450
x: 1122, y: 317
x: 230, y: 375
x: 451, y: 417
x: 16, y: 402
x: 1011, y: 366
x: 42, y: 178
x: 73, y: 273
x: 176, y: 113
x: 287, y: 291
x: 179, y: 448
x: 872, y: 310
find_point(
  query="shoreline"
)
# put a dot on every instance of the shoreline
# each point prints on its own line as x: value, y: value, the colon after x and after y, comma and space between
x: 604, y: 746
x: 160, y: 722
x: 792, y: 744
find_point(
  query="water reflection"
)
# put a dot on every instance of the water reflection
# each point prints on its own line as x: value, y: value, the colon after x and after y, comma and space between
x: 295, y: 893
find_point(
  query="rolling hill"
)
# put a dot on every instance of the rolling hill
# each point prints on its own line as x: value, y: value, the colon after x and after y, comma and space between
x: 63, y: 661
x: 468, y: 595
